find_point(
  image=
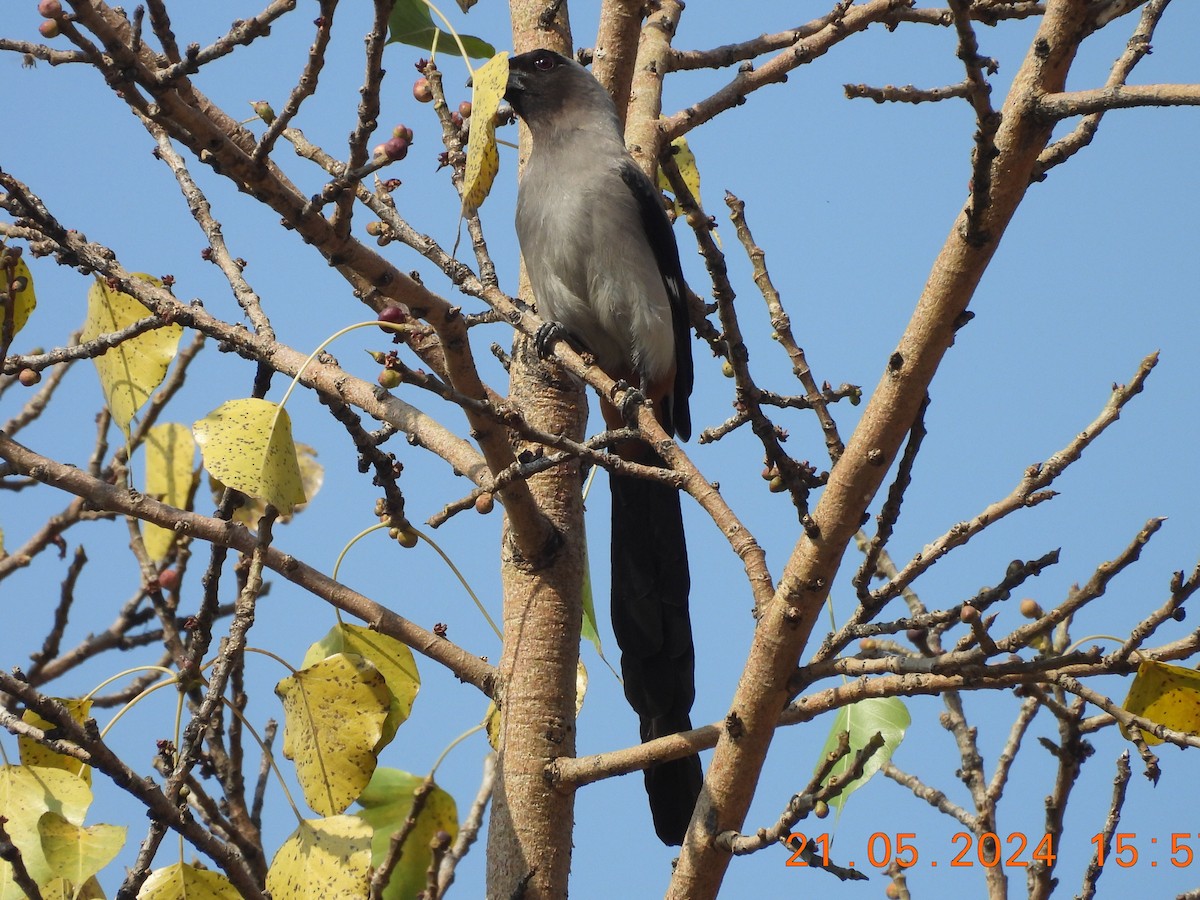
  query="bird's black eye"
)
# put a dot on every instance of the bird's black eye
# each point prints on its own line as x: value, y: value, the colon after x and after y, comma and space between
x: 544, y: 62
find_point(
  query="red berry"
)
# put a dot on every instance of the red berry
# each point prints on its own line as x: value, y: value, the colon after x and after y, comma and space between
x: 168, y: 579
x: 393, y: 314
x: 422, y: 92
x: 464, y: 109
x: 49, y: 28
x: 51, y: 9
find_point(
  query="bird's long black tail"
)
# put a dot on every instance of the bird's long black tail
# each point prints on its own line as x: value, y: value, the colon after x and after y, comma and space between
x: 650, y: 584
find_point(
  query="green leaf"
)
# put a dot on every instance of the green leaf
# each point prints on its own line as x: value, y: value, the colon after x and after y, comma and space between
x: 411, y: 23
x: 386, y: 804
x: 886, y: 715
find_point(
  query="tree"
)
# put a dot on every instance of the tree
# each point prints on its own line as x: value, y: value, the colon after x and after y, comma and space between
x: 345, y: 225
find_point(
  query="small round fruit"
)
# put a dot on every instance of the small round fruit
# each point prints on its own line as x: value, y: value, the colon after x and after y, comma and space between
x: 727, y: 369
x: 168, y: 579
x: 403, y: 132
x: 49, y: 28
x: 1031, y: 609
x: 394, y: 148
x: 484, y: 504
x: 777, y: 485
x: 968, y: 614
x: 820, y: 809
x: 422, y: 92
x: 389, y: 378
x: 29, y: 377
x: 407, y: 539
x: 51, y: 9
x: 395, y: 315
x: 464, y: 109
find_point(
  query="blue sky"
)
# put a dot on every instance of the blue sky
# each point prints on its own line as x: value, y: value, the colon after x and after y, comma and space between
x: 851, y: 201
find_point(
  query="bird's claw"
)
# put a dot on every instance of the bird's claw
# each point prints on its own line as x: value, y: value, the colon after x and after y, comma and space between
x: 630, y: 400
x: 545, y: 335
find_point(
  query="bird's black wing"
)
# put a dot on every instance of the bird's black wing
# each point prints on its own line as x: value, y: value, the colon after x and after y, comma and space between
x: 661, y: 239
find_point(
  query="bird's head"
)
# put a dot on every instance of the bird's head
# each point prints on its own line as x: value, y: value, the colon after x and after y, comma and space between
x: 551, y: 92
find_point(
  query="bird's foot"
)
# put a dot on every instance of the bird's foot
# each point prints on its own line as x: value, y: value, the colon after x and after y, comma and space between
x: 545, y: 336
x: 631, y: 399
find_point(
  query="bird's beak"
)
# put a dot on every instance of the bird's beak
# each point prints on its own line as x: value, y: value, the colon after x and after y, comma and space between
x: 517, y: 82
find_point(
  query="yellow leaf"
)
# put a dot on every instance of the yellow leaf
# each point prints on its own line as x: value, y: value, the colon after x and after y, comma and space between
x: 24, y: 299
x: 184, y: 882
x: 130, y: 372
x: 1166, y: 695
x: 483, y: 161
x: 312, y: 476
x: 581, y: 686
x: 26, y: 793
x: 170, y: 454
x: 61, y: 889
x: 35, y: 754
x: 323, y: 858
x: 77, y: 853
x: 393, y: 660
x: 492, y: 720
x: 386, y: 803
x: 685, y: 161
x: 334, y: 712
x: 247, y: 445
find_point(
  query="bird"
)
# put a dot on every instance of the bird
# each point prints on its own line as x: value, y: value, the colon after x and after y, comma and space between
x: 604, y: 267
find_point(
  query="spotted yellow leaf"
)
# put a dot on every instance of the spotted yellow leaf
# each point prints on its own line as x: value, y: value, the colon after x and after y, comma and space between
x: 685, y: 161
x: 323, y: 858
x: 492, y: 722
x: 387, y: 803
x: 393, y: 660
x: 247, y: 445
x: 312, y: 476
x: 183, y: 882
x: 131, y: 371
x: 61, y: 889
x: 170, y: 455
x: 26, y: 794
x: 1166, y: 695
x: 35, y: 754
x: 76, y: 853
x: 334, y: 712
x: 483, y: 160
x: 23, y: 297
